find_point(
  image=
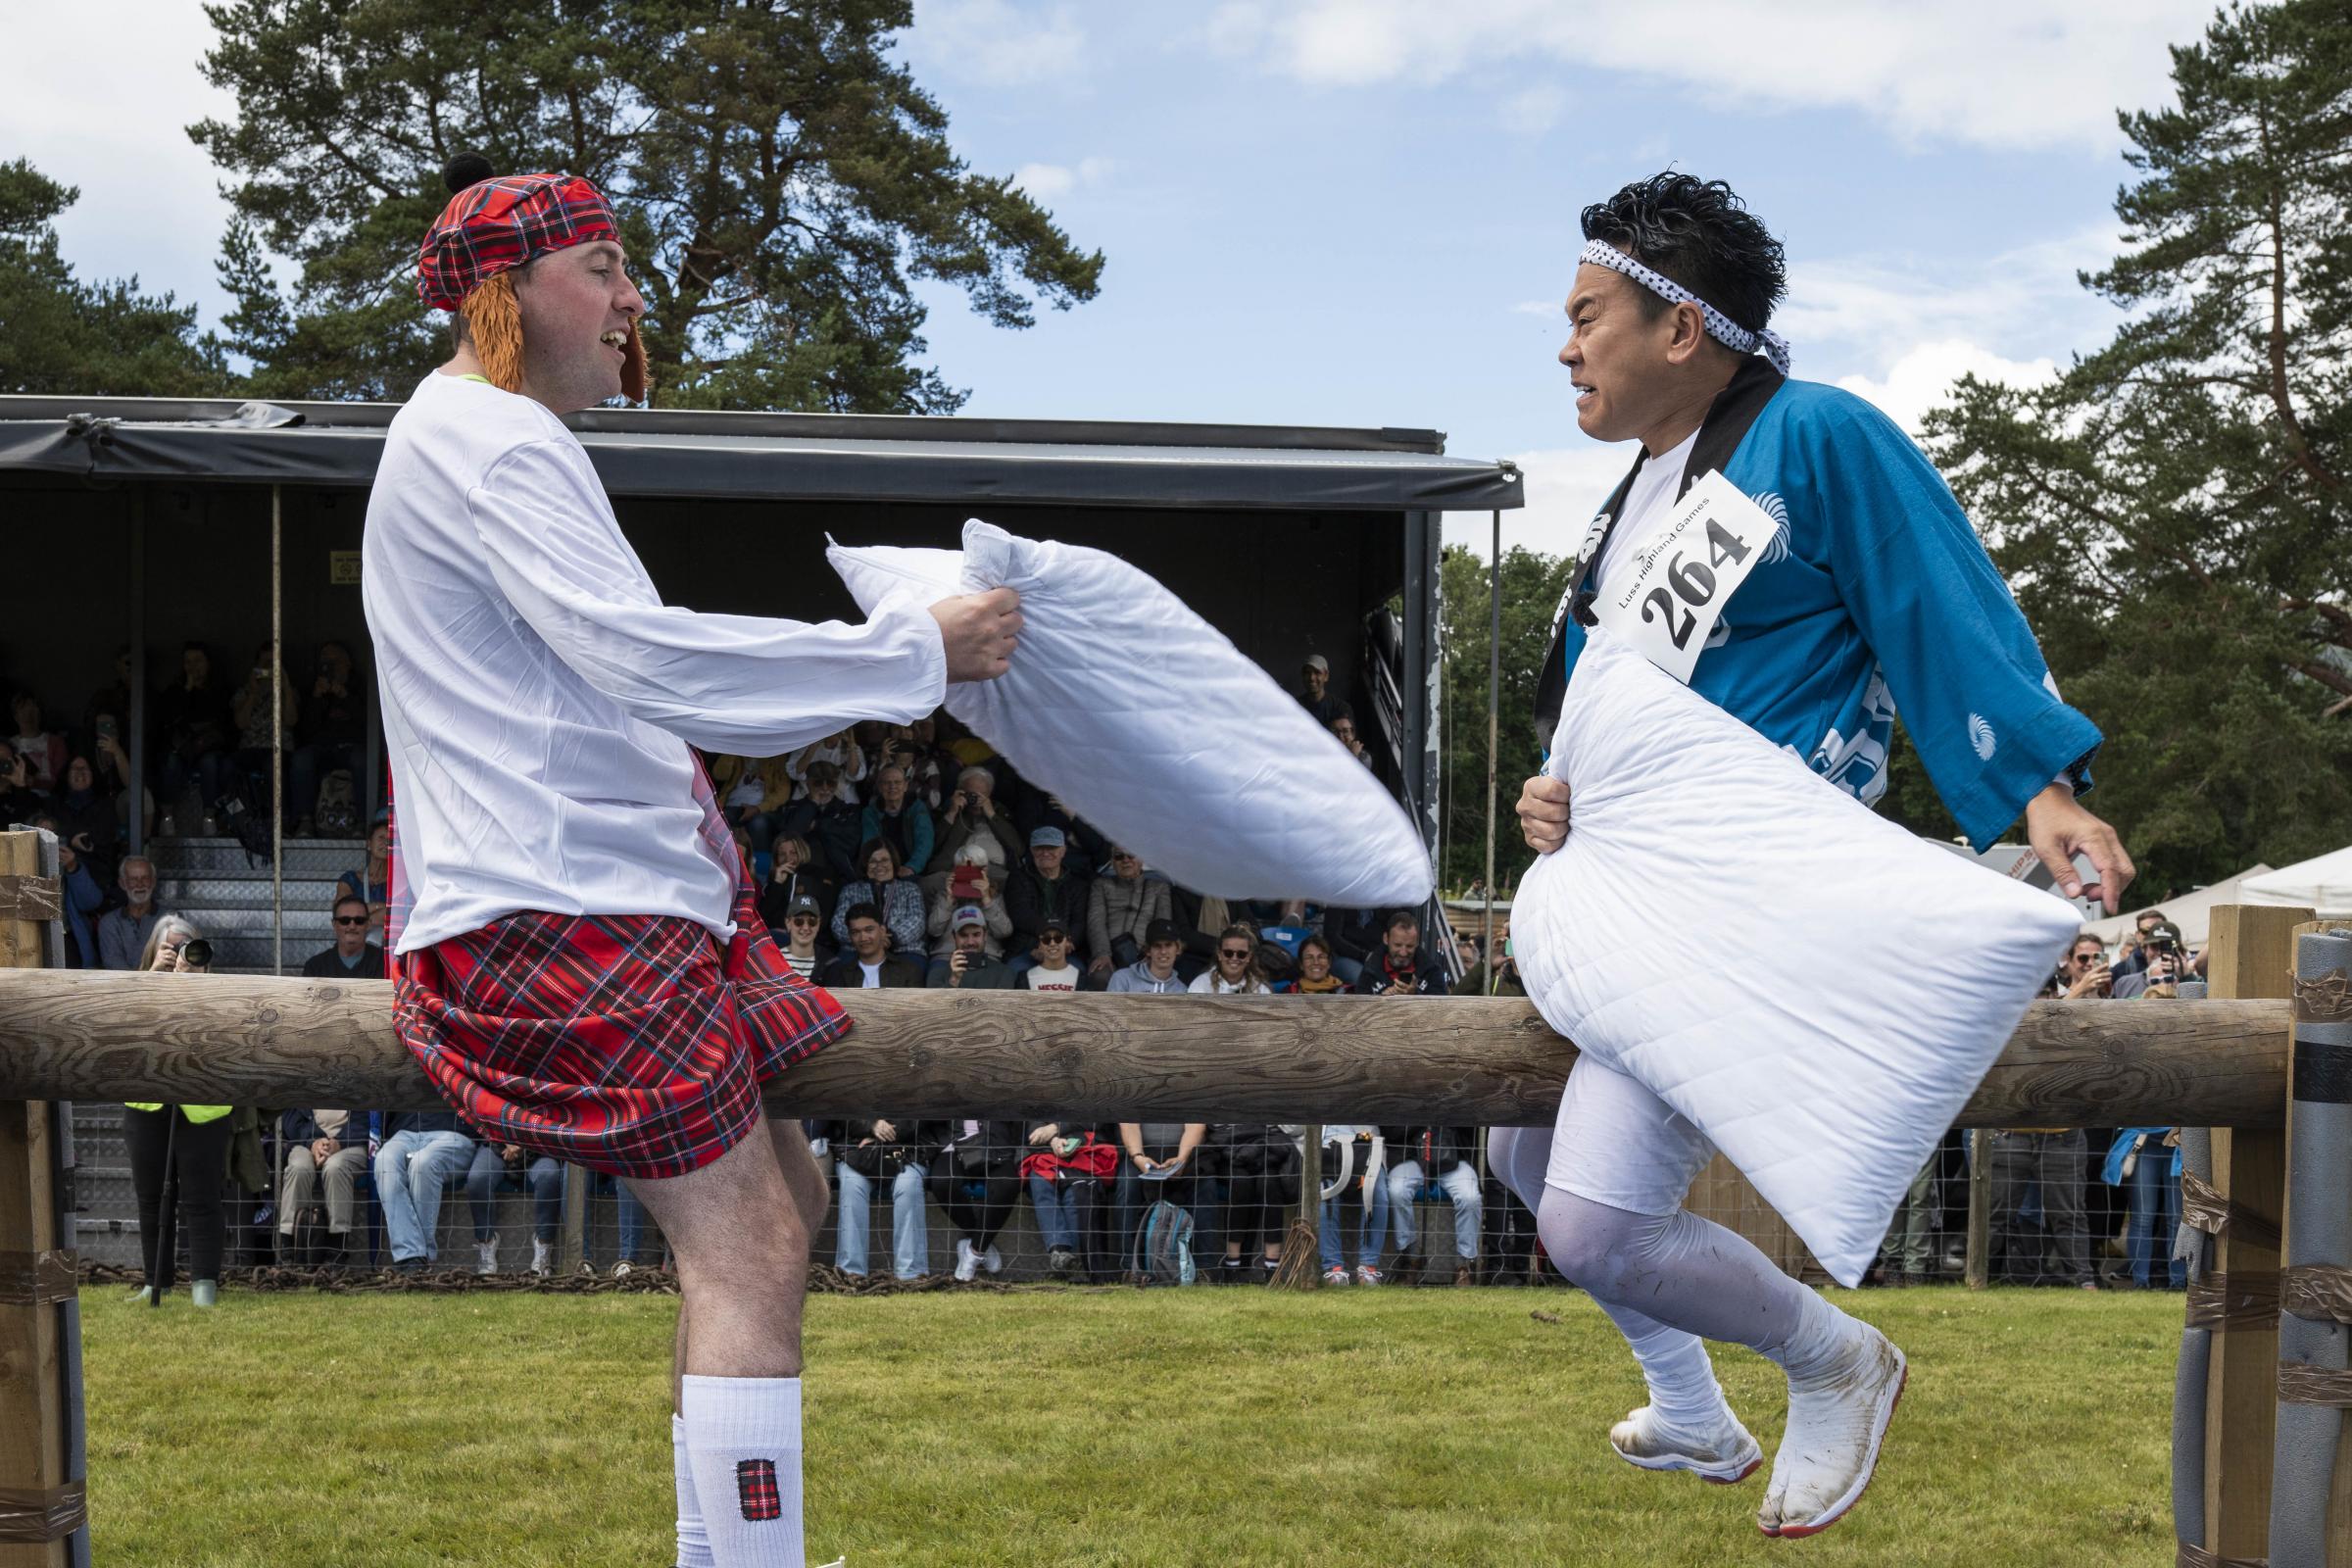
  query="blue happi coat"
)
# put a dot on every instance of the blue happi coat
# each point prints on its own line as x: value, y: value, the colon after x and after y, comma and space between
x: 1874, y: 598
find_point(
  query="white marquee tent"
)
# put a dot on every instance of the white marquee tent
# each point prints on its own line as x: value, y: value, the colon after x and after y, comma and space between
x: 2323, y: 885
x: 2193, y: 912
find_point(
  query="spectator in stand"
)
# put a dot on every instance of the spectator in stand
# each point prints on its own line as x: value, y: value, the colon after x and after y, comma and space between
x: 2132, y: 955
x: 753, y: 792
x: 1154, y: 973
x: 1120, y: 908
x: 1158, y: 1165
x: 968, y: 965
x: 2163, y: 959
x: 422, y: 1152
x: 974, y: 816
x: 895, y: 814
x: 19, y: 800
x: 915, y: 748
x: 192, y: 717
x: 85, y: 815
x: 43, y: 751
x: 790, y: 879
x: 353, y: 957
x: 1365, y: 1195
x: 869, y: 962
x: 124, y: 931
x: 839, y: 752
x: 826, y: 822
x: 2054, y: 1159
x: 371, y: 882
x: 2083, y: 973
x: 111, y: 702
x: 976, y: 1178
x: 1506, y: 981
x: 85, y: 894
x: 113, y: 766
x: 507, y: 1167
x: 1907, y: 1252
x: 329, y: 738
x: 1066, y: 1167
x: 972, y: 882
x: 1237, y: 967
x: 193, y: 1139
x: 802, y: 923
x: 329, y: 1143
x: 1401, y: 968
x: 251, y: 709
x: 1315, y: 978
x: 1260, y: 1163
x: 1443, y: 1155
x: 1314, y: 691
x: 1355, y: 938
x: 900, y: 897
x: 867, y: 1155
x: 1053, y: 970
x: 1042, y: 890
x: 1343, y: 729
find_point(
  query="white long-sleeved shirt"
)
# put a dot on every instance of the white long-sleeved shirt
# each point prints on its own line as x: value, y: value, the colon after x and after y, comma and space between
x: 538, y: 696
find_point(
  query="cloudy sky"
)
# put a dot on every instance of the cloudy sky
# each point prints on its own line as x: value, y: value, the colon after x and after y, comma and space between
x: 1363, y: 212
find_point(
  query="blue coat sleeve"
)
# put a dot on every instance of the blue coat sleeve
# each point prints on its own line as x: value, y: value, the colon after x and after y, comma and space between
x: 1967, y: 676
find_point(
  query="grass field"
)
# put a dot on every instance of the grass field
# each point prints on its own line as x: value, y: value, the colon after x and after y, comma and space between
x: 1128, y: 1427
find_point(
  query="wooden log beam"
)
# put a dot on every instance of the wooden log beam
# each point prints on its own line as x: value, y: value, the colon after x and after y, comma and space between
x: 1489, y: 1061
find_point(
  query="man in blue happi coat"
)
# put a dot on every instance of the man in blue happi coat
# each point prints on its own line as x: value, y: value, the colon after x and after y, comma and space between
x: 1842, y: 586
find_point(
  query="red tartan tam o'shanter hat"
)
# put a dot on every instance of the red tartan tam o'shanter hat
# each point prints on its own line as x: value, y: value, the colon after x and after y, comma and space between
x: 493, y: 225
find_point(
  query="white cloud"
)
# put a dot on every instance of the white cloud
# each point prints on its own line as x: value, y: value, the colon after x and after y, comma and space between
x: 1995, y: 72
x: 1923, y: 376
x: 1049, y: 182
x: 1565, y: 486
x: 1533, y: 112
x: 998, y: 43
x: 1545, y: 308
x: 1862, y: 301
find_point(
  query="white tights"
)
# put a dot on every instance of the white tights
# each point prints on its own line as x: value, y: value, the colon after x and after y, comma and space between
x: 1669, y: 1282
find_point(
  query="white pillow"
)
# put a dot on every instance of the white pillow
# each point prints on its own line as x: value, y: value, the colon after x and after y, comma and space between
x: 1147, y: 723
x: 1815, y: 988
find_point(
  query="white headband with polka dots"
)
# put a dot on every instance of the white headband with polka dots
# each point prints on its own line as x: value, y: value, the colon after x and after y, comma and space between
x: 1721, y: 328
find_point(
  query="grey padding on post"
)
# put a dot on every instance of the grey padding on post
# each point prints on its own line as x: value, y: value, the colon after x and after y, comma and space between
x: 2319, y: 1187
x: 2197, y: 1351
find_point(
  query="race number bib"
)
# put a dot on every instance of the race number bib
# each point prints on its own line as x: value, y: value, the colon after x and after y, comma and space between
x: 1668, y: 604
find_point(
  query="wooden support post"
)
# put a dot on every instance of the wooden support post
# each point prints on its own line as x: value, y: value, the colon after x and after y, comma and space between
x: 2250, y: 954
x: 572, y: 1250
x: 1979, y: 1207
x: 38, y: 1508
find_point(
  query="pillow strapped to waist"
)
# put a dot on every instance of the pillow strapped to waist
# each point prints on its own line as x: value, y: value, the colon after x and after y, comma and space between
x: 1146, y: 723
x: 1814, y: 988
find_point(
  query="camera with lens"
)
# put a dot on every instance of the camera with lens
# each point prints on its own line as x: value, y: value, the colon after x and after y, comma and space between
x: 196, y: 953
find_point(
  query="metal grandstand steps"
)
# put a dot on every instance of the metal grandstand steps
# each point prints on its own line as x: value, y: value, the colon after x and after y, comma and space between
x: 213, y: 882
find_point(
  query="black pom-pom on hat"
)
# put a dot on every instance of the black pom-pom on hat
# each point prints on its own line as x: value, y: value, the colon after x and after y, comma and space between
x: 465, y: 169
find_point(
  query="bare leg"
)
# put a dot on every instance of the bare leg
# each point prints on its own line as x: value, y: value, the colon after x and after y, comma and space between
x: 736, y: 1227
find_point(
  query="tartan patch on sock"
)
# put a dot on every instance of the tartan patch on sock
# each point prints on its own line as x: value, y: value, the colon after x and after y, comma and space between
x: 756, y: 1487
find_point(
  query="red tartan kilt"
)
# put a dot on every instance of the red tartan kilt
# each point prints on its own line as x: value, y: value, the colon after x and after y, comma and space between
x: 626, y: 1044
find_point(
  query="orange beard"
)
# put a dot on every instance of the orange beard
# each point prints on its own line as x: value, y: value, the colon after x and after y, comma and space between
x: 494, y: 319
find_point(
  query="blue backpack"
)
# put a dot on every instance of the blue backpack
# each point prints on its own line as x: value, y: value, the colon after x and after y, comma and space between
x: 1164, y: 1245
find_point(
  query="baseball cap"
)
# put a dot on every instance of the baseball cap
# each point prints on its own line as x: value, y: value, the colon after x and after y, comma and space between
x: 1318, y: 661
x: 967, y: 914
x: 1046, y: 838
x: 1052, y: 925
x: 804, y: 904
x: 1161, y: 931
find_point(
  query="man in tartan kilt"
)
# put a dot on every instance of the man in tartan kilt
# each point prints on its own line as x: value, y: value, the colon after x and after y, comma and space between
x: 577, y: 959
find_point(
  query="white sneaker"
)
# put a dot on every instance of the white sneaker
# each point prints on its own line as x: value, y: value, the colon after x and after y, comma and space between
x: 1366, y: 1274
x: 485, y: 1256
x: 1724, y: 1456
x: 542, y: 1255
x: 1830, y: 1444
x: 967, y: 1261
x: 992, y: 1259
x: 1337, y: 1274
x: 620, y: 1270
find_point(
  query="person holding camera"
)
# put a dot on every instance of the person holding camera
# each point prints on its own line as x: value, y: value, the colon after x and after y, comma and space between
x: 971, y: 883
x: 18, y: 798
x: 43, y: 751
x: 968, y: 965
x: 193, y: 717
x: 1503, y: 980
x: 327, y: 736
x: 85, y: 894
x: 895, y: 1150
x: 974, y: 815
x: 839, y: 752
x: 2083, y: 973
x: 2163, y: 965
x: 85, y: 815
x: 189, y: 1142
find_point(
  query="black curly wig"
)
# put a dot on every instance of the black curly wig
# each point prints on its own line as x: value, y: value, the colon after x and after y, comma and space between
x: 1701, y: 235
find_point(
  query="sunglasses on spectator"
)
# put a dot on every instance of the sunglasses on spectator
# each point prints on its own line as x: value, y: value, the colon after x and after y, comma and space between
x: 351, y: 919
x: 1053, y: 936
x: 1233, y: 953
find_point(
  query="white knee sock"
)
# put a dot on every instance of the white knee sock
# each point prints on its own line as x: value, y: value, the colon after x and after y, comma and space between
x: 1683, y: 1390
x: 694, y: 1542
x: 743, y: 1439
